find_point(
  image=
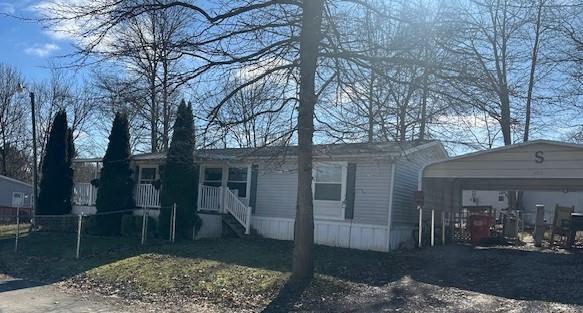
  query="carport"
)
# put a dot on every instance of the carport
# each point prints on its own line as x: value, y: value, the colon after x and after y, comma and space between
x: 541, y: 165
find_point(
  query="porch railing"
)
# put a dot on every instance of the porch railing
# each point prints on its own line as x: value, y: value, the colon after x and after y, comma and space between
x: 224, y: 200
x: 147, y: 196
x: 238, y: 209
x: 209, y: 198
x: 84, y: 194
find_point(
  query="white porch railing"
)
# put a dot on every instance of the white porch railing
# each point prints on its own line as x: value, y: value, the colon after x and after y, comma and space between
x: 224, y: 200
x: 209, y: 198
x: 84, y: 194
x: 147, y: 196
x: 238, y: 209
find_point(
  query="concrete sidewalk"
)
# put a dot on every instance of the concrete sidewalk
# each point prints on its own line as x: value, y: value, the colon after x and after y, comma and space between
x: 21, y: 296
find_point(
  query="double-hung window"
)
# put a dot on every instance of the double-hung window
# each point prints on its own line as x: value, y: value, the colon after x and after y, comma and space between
x: 238, y: 180
x: 147, y: 175
x: 213, y: 176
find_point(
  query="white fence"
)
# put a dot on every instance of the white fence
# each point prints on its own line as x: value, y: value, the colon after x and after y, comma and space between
x: 209, y: 198
x: 238, y: 209
x: 84, y: 194
x: 147, y: 196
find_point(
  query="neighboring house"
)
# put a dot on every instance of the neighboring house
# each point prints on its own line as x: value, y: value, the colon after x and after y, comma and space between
x: 363, y: 193
x: 530, y: 198
x: 14, y: 194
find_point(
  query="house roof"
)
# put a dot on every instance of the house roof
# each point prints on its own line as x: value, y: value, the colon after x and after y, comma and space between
x: 534, y: 159
x: 15, y: 180
x: 344, y: 149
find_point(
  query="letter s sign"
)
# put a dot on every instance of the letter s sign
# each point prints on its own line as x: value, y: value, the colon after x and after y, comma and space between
x: 539, y: 157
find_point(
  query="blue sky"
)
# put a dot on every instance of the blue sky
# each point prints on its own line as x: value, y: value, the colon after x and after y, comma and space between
x: 25, y: 44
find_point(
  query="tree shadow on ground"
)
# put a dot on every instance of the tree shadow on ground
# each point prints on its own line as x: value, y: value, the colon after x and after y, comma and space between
x: 17, y: 284
x: 287, y: 297
x: 513, y: 273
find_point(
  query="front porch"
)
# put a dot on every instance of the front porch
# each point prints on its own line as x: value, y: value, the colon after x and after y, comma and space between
x: 146, y: 196
x: 211, y: 199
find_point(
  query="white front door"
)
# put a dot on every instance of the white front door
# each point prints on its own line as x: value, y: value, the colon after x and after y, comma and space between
x: 329, y: 189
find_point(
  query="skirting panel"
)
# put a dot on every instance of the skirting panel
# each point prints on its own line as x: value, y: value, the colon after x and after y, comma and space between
x: 402, y: 236
x: 335, y: 234
x: 212, y: 226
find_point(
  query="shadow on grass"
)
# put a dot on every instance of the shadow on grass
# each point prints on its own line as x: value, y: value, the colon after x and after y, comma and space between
x: 286, y: 298
x: 16, y: 284
x: 505, y: 272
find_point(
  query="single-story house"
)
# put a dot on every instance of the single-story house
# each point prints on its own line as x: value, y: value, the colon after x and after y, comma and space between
x: 14, y: 194
x: 363, y: 193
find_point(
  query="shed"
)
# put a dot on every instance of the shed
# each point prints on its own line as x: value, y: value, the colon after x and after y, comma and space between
x: 536, y: 165
x: 14, y: 193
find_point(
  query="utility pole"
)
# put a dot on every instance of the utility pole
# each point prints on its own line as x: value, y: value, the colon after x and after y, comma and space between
x: 21, y: 88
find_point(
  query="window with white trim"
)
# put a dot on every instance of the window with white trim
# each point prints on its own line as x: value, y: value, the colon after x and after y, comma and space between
x: 213, y: 176
x: 237, y: 180
x: 328, y: 180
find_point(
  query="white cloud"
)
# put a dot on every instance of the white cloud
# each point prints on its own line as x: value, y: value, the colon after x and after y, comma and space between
x: 42, y: 51
x: 66, y: 26
x: 7, y: 8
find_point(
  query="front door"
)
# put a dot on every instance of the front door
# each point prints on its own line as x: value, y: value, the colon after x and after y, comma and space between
x: 329, y: 189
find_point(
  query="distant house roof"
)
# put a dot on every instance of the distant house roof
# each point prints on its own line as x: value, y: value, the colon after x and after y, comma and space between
x: 2, y: 177
x: 344, y: 149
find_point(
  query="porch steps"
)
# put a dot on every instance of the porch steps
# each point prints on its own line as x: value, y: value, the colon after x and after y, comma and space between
x: 235, y: 228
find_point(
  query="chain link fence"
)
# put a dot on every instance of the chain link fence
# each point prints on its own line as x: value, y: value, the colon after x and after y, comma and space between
x: 77, y: 235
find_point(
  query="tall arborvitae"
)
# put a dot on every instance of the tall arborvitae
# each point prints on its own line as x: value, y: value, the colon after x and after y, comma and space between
x: 56, y: 174
x: 180, y: 178
x: 115, y: 192
x: 69, y: 179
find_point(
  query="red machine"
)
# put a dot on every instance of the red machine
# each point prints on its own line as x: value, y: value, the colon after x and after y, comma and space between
x: 479, y: 228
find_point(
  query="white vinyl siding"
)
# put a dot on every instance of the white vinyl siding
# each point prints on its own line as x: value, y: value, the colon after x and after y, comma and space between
x: 8, y: 187
x: 407, y: 182
x: 277, y: 191
x: 277, y: 188
x: 371, y: 195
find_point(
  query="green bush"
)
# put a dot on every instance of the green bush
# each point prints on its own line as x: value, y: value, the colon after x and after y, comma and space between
x: 90, y: 226
x: 115, y: 183
x: 131, y: 226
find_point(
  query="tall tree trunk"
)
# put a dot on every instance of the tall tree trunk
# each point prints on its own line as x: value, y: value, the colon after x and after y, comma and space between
x: 303, y: 258
x: 165, y: 107
x: 371, y: 107
x: 423, y: 122
x: 505, y: 117
x: 153, y: 116
x: 533, y: 62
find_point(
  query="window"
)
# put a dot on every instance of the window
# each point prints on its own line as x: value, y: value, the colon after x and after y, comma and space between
x: 17, y: 199
x: 147, y: 175
x: 238, y: 180
x: 213, y: 176
x: 328, y: 182
x: 501, y: 196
